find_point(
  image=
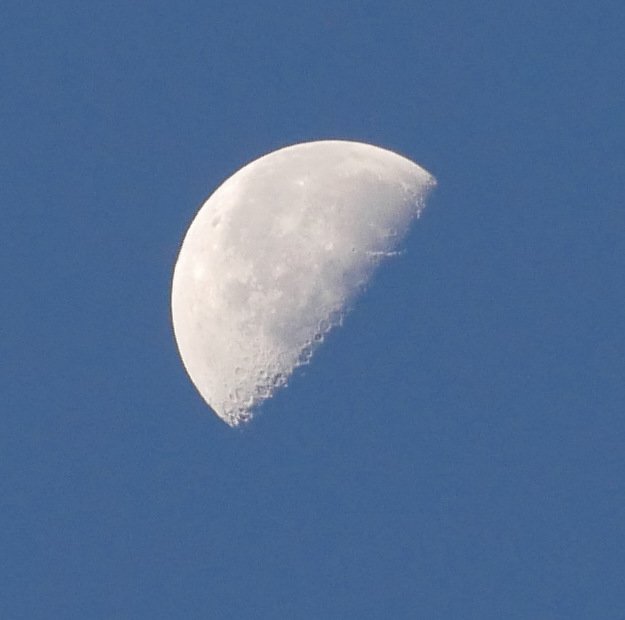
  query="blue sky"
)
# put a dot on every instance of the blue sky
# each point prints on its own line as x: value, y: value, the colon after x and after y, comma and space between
x: 454, y: 451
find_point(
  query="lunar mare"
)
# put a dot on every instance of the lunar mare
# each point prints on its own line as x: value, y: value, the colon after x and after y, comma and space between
x: 276, y: 255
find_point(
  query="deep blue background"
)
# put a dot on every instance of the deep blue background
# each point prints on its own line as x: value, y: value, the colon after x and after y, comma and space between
x: 457, y: 450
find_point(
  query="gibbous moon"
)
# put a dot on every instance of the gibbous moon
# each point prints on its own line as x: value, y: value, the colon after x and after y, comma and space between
x: 275, y: 257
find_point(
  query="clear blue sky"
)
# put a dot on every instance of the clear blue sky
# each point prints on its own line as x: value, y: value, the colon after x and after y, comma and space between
x: 457, y: 450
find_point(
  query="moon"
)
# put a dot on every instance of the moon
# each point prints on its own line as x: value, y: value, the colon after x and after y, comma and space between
x: 277, y: 255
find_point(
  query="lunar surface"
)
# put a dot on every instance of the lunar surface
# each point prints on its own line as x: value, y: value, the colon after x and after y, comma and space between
x: 275, y: 257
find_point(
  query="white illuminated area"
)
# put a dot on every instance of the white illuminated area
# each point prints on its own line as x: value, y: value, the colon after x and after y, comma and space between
x: 276, y: 255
